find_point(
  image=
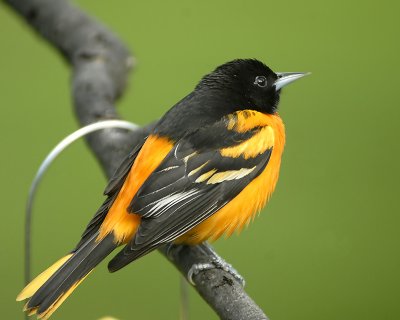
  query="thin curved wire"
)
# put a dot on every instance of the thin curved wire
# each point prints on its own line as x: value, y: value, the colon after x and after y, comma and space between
x: 184, y: 297
x: 61, y: 146
x: 54, y: 153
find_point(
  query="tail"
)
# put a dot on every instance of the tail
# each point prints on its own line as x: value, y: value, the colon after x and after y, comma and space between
x: 49, y: 289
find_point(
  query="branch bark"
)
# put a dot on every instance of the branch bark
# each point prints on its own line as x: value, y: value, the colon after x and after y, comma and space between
x: 101, y: 64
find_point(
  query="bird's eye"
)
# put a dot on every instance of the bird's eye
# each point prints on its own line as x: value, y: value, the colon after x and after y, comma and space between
x: 261, y: 81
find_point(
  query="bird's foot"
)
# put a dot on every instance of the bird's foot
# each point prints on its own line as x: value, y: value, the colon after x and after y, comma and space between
x: 169, y: 248
x: 197, y: 268
x: 216, y: 263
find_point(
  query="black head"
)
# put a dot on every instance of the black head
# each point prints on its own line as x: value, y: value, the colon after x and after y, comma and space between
x: 245, y: 84
x: 236, y: 85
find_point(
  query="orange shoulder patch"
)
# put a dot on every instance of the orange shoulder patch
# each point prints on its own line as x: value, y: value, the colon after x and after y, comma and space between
x: 252, y: 147
x: 246, y: 120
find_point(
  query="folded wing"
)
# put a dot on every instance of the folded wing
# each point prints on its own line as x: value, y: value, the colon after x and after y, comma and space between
x: 200, y: 175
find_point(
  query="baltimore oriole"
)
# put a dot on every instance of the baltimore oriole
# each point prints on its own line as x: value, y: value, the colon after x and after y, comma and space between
x: 207, y: 168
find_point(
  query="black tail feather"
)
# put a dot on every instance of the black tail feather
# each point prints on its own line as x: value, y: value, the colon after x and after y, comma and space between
x: 88, y: 256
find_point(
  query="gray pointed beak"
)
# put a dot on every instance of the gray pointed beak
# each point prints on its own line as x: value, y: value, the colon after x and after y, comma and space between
x: 284, y: 78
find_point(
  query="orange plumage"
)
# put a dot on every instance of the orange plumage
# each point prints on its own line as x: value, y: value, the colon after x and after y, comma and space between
x: 122, y: 223
x: 235, y: 215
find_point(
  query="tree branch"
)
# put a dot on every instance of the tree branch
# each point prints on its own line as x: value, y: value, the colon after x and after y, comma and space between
x: 100, y: 65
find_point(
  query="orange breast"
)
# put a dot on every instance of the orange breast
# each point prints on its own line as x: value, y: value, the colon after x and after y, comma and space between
x: 239, y: 211
x: 119, y: 220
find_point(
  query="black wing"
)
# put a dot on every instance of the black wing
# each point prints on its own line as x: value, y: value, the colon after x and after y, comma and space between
x: 193, y: 182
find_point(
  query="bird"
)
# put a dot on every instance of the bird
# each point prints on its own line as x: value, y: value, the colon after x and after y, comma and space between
x: 206, y: 169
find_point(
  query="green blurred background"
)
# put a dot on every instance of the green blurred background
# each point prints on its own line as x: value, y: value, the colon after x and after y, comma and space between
x: 326, y: 247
